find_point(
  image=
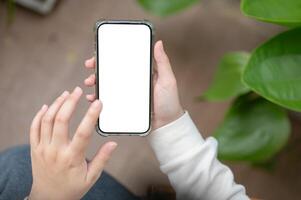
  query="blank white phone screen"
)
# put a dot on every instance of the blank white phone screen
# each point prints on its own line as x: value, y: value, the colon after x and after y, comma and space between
x: 124, y: 73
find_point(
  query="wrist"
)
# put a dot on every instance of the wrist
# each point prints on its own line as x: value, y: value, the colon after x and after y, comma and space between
x: 160, y: 122
x: 37, y: 194
x: 33, y: 196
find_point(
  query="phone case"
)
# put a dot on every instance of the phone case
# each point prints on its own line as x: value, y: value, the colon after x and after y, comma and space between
x: 97, y: 24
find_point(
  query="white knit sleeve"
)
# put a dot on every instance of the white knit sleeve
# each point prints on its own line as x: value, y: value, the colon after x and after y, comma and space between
x: 191, y: 163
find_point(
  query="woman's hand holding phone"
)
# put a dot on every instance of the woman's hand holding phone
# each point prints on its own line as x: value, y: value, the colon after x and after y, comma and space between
x: 59, y: 166
x: 167, y: 107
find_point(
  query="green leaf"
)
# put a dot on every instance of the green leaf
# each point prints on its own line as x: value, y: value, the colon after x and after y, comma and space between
x: 283, y: 12
x: 165, y: 7
x: 274, y: 70
x: 254, y: 130
x: 227, y: 81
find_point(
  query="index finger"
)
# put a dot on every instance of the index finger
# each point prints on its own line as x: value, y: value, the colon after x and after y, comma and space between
x: 84, y: 131
x: 62, y: 118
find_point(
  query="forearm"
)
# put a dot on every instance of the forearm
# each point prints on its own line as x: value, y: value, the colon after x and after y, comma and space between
x: 191, y: 164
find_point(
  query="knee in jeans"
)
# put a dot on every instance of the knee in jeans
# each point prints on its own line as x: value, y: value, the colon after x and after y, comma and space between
x: 16, y: 155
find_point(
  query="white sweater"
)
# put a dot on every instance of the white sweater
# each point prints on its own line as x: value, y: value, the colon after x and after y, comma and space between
x: 191, y: 164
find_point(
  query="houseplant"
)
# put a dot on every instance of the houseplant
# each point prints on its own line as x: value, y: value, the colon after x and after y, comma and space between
x: 263, y: 84
x: 255, y: 130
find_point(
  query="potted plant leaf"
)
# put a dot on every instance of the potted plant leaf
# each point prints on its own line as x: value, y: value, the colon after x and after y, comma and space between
x: 265, y: 84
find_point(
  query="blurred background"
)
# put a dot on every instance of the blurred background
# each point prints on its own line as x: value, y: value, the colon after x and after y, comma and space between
x: 43, y: 55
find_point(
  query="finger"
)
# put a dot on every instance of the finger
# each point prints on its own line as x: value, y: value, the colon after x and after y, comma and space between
x: 36, y: 126
x: 48, y: 119
x: 91, y: 97
x: 96, y: 166
x: 84, y: 131
x: 163, y: 65
x: 90, y: 63
x: 61, y: 124
x: 90, y: 81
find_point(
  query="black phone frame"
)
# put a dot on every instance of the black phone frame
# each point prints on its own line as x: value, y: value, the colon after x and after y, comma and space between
x: 132, y: 22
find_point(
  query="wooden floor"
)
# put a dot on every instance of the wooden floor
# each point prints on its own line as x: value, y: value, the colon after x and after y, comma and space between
x: 42, y: 56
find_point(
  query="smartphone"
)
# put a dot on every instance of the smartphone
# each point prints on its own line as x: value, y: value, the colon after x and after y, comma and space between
x: 124, y: 76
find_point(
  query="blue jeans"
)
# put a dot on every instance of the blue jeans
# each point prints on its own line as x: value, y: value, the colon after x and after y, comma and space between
x: 16, y: 179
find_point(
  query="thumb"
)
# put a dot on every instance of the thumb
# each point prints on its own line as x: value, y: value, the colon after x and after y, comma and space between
x: 99, y: 161
x: 163, y: 65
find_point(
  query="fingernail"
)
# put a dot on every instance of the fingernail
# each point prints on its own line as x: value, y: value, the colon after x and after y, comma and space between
x: 65, y: 93
x: 77, y: 90
x: 96, y: 103
x: 89, y: 96
x: 112, y: 146
x: 44, y: 107
x: 87, y: 62
x: 87, y: 81
x: 162, y: 46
